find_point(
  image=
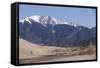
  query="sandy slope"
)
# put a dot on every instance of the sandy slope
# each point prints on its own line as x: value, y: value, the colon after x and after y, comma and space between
x: 29, y: 50
x: 33, y: 53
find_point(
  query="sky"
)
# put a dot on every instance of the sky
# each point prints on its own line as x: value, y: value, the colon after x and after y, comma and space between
x: 82, y: 16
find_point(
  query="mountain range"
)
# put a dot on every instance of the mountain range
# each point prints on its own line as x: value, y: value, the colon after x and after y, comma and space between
x: 49, y: 31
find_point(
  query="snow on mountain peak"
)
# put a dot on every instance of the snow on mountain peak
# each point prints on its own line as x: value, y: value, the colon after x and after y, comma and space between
x: 75, y: 25
x: 28, y: 20
x: 45, y: 20
x: 35, y: 18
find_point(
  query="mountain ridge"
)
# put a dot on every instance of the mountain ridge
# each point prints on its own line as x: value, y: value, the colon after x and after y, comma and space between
x: 52, y: 32
x: 45, y: 19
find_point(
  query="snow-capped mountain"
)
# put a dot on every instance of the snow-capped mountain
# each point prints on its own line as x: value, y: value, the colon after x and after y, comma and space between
x: 52, y: 32
x: 46, y: 20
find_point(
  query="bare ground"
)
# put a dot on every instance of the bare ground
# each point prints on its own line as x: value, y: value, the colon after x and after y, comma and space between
x: 33, y: 53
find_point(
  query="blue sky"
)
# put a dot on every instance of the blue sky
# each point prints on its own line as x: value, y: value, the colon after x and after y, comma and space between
x: 82, y: 16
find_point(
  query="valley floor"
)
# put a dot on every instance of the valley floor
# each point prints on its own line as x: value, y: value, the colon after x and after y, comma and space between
x: 33, y: 53
x: 57, y: 59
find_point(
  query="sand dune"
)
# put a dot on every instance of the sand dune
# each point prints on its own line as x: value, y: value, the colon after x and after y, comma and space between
x: 35, y: 53
x: 29, y: 50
